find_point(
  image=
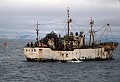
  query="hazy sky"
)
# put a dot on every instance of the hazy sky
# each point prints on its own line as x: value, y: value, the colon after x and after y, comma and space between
x: 18, y: 17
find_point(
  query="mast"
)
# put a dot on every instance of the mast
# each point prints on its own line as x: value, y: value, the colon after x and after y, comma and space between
x: 37, y: 32
x: 68, y: 21
x: 91, y: 32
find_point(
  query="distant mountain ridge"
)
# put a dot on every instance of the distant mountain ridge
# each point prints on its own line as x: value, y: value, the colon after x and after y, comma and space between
x: 27, y: 36
x: 18, y: 36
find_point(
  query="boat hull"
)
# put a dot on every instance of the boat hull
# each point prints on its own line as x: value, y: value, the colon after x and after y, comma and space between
x: 46, y: 54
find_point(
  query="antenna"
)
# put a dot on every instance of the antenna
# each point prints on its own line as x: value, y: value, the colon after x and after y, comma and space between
x: 37, y: 31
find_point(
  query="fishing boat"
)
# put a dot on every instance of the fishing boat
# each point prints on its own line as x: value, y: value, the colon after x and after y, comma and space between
x: 71, y: 47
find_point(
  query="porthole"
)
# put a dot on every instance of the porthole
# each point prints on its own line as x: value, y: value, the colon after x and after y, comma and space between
x: 66, y: 55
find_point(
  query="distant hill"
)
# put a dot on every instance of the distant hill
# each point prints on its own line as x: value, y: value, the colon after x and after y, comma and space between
x: 18, y: 36
x: 31, y: 36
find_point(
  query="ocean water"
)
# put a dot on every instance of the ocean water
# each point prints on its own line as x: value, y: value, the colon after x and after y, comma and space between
x: 15, y: 68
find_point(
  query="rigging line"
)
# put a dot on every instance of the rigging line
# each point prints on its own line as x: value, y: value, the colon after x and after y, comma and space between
x: 54, y: 23
x: 51, y: 23
x: 63, y: 29
x: 73, y: 28
x: 101, y: 28
x: 103, y: 33
x: 111, y: 33
x: 97, y: 37
x: 97, y: 31
x: 80, y: 25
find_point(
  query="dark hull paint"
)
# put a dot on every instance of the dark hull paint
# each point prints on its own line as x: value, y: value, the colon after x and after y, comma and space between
x: 52, y: 60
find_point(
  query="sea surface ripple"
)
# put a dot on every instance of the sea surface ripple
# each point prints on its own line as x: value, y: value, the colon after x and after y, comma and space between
x: 15, y: 68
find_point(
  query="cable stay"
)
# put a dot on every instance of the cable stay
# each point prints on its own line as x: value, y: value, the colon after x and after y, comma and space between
x: 73, y: 28
x: 69, y: 20
x: 102, y: 27
x: 103, y: 32
x: 105, y: 29
x: 63, y: 29
x: 52, y: 24
x: 111, y: 33
x: 80, y: 25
